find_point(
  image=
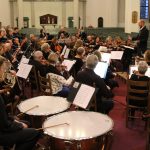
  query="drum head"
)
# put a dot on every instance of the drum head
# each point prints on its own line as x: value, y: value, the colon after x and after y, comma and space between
x: 46, y: 105
x: 82, y: 125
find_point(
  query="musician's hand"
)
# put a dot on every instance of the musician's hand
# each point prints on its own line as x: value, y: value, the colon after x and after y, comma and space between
x: 13, y: 72
x: 5, y: 90
x: 23, y: 124
x: 14, y: 60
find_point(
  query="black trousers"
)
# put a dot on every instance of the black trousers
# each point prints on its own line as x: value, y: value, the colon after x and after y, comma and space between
x: 24, y: 139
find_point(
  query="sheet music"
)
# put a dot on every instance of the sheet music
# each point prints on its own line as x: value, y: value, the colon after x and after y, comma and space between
x: 84, y: 96
x: 106, y: 57
x: 135, y: 68
x: 129, y: 47
x: 101, y: 69
x: 102, y: 49
x: 24, y: 60
x: 67, y: 53
x: 116, y: 55
x: 24, y: 70
x: 68, y: 63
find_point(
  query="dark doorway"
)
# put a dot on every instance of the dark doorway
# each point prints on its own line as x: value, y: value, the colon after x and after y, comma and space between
x: 70, y: 22
x: 100, y: 22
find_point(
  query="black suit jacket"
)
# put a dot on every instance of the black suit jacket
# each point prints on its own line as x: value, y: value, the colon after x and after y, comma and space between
x: 142, y: 37
x: 7, y: 125
x: 88, y: 77
x: 43, y: 69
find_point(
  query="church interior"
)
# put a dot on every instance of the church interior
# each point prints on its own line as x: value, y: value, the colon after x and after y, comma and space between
x: 74, y: 75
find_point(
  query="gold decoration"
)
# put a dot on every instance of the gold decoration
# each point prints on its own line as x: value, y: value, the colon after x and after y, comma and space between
x: 134, y: 16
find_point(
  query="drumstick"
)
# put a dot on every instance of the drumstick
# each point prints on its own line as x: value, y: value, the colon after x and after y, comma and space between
x: 27, y: 110
x: 53, y: 126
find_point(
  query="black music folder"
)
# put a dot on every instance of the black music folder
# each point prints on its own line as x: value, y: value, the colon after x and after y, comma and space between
x: 81, y: 95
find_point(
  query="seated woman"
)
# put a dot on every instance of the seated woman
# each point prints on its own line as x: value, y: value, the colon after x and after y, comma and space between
x: 79, y: 61
x: 13, y: 131
x: 60, y: 86
x: 140, y: 76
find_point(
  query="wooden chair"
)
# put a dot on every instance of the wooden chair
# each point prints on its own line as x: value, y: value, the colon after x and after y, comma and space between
x: 134, y: 90
x: 45, y: 85
x: 33, y: 80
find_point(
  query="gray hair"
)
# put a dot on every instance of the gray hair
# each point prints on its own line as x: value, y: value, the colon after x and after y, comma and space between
x: 91, y: 61
x: 53, y: 58
x: 80, y: 50
x: 142, y: 67
x: 45, y: 46
x: 37, y: 54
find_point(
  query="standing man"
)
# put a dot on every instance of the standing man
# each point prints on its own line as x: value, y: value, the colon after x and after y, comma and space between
x: 141, y: 38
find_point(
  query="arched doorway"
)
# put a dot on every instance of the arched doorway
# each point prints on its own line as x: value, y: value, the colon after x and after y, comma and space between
x: 100, y: 22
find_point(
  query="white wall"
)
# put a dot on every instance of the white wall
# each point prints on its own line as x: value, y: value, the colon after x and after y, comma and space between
x: 5, y: 12
x: 121, y: 13
x: 129, y: 7
x: 108, y: 9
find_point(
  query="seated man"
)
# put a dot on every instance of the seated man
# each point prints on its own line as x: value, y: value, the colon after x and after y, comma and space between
x: 13, y: 131
x: 39, y: 63
x: 88, y: 76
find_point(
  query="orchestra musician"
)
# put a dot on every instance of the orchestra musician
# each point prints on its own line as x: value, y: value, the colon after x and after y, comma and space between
x: 39, y: 63
x: 14, y: 131
x: 46, y: 50
x: 88, y: 76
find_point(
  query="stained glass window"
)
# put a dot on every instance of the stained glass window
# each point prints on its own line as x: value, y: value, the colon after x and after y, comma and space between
x: 144, y: 9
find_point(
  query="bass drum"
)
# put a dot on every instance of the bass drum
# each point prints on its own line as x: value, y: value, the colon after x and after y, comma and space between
x: 78, y: 130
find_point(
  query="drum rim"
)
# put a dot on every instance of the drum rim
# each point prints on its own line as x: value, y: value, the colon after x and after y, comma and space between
x: 43, y: 114
x: 77, y: 139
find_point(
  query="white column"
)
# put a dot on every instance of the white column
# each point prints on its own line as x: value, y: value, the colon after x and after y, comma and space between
x: 32, y: 14
x: 20, y: 13
x: 131, y: 6
x: 12, y: 13
x: 63, y: 13
x: 76, y: 13
x: 84, y: 13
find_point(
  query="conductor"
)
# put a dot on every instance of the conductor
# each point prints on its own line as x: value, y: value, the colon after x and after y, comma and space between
x: 141, y: 38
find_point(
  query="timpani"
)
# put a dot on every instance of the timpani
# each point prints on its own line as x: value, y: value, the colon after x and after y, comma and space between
x: 83, y: 130
x: 46, y: 106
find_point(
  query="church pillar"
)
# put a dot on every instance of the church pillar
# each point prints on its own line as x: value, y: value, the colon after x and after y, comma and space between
x: 32, y: 14
x: 76, y: 13
x: 131, y: 6
x: 63, y: 13
x: 20, y: 13
x: 84, y: 13
x: 12, y: 13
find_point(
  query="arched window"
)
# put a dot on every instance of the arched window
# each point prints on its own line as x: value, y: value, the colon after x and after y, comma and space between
x: 144, y: 9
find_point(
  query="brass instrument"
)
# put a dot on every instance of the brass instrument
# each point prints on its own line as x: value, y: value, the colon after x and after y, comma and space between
x: 9, y: 79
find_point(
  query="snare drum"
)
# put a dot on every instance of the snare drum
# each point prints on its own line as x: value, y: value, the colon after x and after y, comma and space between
x: 85, y: 130
x: 46, y: 106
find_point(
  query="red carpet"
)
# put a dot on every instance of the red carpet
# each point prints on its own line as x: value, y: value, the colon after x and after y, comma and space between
x: 132, y: 138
